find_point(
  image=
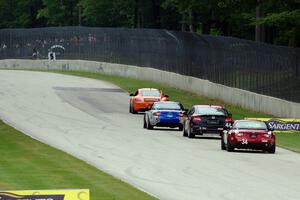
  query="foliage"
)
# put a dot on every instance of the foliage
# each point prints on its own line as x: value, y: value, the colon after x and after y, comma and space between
x: 19, y: 13
x: 285, y: 17
x: 280, y: 19
x: 107, y: 13
x: 58, y: 12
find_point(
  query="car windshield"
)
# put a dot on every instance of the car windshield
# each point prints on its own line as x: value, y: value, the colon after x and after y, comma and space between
x: 150, y: 93
x: 250, y: 125
x: 167, y: 106
x: 211, y: 111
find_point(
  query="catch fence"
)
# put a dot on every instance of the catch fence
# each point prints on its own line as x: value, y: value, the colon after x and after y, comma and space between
x: 258, y: 67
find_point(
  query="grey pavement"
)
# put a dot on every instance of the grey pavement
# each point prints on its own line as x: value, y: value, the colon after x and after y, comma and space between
x: 89, y: 119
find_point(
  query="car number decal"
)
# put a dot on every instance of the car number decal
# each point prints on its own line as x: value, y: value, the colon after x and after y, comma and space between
x: 244, y: 141
x: 227, y: 124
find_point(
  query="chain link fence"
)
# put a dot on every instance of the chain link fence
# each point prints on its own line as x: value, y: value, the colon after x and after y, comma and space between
x: 261, y: 68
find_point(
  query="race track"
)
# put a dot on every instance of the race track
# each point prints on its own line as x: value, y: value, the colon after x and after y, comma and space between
x: 89, y: 119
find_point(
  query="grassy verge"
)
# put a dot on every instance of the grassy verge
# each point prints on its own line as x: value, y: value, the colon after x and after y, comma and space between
x: 289, y: 141
x: 28, y: 164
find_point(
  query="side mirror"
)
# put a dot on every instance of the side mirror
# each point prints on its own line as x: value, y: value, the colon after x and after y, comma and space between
x: 165, y: 98
x: 131, y: 94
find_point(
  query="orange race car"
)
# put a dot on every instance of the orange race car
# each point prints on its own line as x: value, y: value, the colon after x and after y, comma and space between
x: 144, y: 98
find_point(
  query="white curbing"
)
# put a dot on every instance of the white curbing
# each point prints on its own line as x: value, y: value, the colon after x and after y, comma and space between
x: 243, y: 98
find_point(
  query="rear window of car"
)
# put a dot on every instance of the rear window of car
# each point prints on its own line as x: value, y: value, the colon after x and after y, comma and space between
x: 211, y: 111
x: 250, y: 125
x: 167, y: 106
x: 150, y: 93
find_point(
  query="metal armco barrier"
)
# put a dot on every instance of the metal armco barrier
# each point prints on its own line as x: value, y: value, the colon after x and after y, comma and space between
x: 258, y: 67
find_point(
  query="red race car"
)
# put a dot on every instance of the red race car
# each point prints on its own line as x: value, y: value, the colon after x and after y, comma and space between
x: 144, y: 98
x: 248, y: 134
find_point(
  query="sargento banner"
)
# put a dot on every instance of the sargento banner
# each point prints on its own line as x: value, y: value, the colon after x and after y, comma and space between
x: 76, y: 194
x: 281, y: 124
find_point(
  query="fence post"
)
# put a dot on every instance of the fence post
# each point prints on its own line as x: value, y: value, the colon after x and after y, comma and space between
x: 297, y: 62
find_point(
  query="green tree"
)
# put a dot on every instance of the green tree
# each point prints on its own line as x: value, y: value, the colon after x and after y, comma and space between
x: 284, y: 16
x: 201, y: 15
x: 186, y: 9
x: 20, y: 13
x: 147, y: 14
x: 234, y: 17
x: 107, y: 13
x: 59, y: 12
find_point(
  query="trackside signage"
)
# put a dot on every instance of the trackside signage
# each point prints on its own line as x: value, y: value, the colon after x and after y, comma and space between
x: 281, y: 124
x: 76, y: 194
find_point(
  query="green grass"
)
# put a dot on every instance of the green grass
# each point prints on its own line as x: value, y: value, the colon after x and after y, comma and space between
x: 289, y: 141
x: 27, y: 164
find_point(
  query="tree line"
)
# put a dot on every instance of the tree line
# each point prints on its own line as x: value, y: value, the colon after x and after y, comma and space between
x: 272, y: 21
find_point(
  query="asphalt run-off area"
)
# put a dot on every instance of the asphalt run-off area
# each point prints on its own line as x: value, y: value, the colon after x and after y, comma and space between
x: 90, y: 120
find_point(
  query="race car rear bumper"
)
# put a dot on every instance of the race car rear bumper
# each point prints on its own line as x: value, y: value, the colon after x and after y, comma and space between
x: 169, y: 124
x: 253, y: 145
x: 199, y: 130
x: 142, y: 106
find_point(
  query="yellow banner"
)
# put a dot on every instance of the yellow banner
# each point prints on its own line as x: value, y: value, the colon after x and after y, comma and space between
x: 275, y: 119
x: 281, y: 124
x: 71, y: 194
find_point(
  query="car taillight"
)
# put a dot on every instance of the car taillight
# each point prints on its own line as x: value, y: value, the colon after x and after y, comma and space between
x: 232, y: 135
x: 239, y: 134
x: 228, y: 119
x: 196, y: 118
x: 138, y: 99
x: 268, y: 135
x: 156, y: 113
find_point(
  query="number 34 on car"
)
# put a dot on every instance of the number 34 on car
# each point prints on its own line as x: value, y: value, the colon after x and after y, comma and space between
x: 248, y: 134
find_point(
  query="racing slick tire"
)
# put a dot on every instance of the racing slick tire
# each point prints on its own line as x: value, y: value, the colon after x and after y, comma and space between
x: 185, y: 134
x: 180, y: 127
x: 223, y: 146
x: 131, y: 109
x: 149, y: 126
x: 145, y: 124
x: 190, y: 134
x: 272, y: 149
x: 229, y: 147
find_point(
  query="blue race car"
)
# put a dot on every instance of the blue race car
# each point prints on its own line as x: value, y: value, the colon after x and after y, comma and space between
x: 165, y: 114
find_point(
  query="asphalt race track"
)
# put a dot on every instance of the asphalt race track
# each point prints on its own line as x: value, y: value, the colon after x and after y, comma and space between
x: 89, y: 119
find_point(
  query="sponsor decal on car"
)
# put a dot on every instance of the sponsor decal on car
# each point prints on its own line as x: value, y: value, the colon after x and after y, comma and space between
x: 281, y: 123
x: 74, y: 194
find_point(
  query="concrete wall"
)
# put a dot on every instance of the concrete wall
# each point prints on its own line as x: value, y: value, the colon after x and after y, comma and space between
x: 257, y: 102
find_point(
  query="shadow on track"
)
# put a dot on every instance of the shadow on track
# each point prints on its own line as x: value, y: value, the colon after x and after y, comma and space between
x: 166, y: 129
x: 206, y: 137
